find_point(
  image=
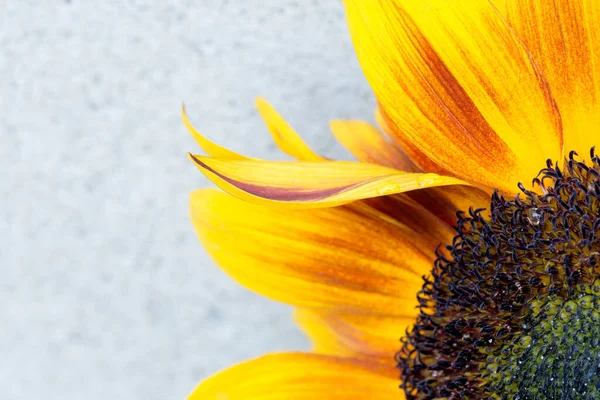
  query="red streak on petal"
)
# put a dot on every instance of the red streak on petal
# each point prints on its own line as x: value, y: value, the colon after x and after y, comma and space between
x: 279, y: 194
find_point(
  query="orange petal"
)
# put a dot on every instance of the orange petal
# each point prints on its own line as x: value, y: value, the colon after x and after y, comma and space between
x: 300, y: 376
x: 419, y: 160
x: 209, y: 147
x: 413, y: 212
x: 347, y: 335
x: 445, y: 202
x: 311, y: 184
x: 455, y: 80
x: 342, y: 259
x: 285, y: 137
x: 564, y: 38
x: 367, y: 144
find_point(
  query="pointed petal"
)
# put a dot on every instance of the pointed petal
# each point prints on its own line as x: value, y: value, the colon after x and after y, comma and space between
x: 311, y: 184
x: 564, y: 38
x: 457, y: 82
x: 346, y: 335
x: 299, y: 376
x: 367, y: 144
x: 285, y: 137
x: 209, y: 147
x: 346, y: 259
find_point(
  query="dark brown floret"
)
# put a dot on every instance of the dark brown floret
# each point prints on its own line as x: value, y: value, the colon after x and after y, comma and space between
x: 512, y: 309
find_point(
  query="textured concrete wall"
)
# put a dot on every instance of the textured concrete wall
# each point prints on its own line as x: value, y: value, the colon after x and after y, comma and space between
x: 105, y: 291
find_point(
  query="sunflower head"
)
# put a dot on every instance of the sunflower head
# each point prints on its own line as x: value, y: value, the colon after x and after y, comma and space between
x: 473, y: 97
x: 511, y: 309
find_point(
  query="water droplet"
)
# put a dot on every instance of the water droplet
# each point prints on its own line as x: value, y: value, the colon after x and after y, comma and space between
x: 534, y: 217
x: 425, y: 182
x: 388, y: 189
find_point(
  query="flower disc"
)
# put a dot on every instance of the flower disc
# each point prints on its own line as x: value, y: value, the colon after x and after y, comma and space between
x: 512, y: 310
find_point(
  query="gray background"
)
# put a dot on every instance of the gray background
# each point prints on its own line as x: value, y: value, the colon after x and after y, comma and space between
x: 105, y: 291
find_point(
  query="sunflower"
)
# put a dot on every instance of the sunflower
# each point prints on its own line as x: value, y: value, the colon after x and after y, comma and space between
x: 459, y: 257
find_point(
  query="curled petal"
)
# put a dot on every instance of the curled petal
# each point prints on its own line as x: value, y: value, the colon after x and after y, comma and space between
x: 312, y: 184
x: 208, y: 146
x: 300, y: 376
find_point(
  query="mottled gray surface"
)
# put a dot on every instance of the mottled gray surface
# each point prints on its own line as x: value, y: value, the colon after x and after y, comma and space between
x: 105, y: 292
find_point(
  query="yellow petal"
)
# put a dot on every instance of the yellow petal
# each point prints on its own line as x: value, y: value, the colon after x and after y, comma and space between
x: 341, y: 259
x: 300, y: 376
x: 564, y: 38
x: 358, y: 335
x: 419, y: 160
x: 457, y: 82
x: 285, y: 137
x: 209, y: 147
x: 323, y: 338
x: 367, y: 144
x: 311, y: 184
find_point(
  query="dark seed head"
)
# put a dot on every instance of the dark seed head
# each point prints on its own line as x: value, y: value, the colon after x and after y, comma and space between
x: 512, y: 310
